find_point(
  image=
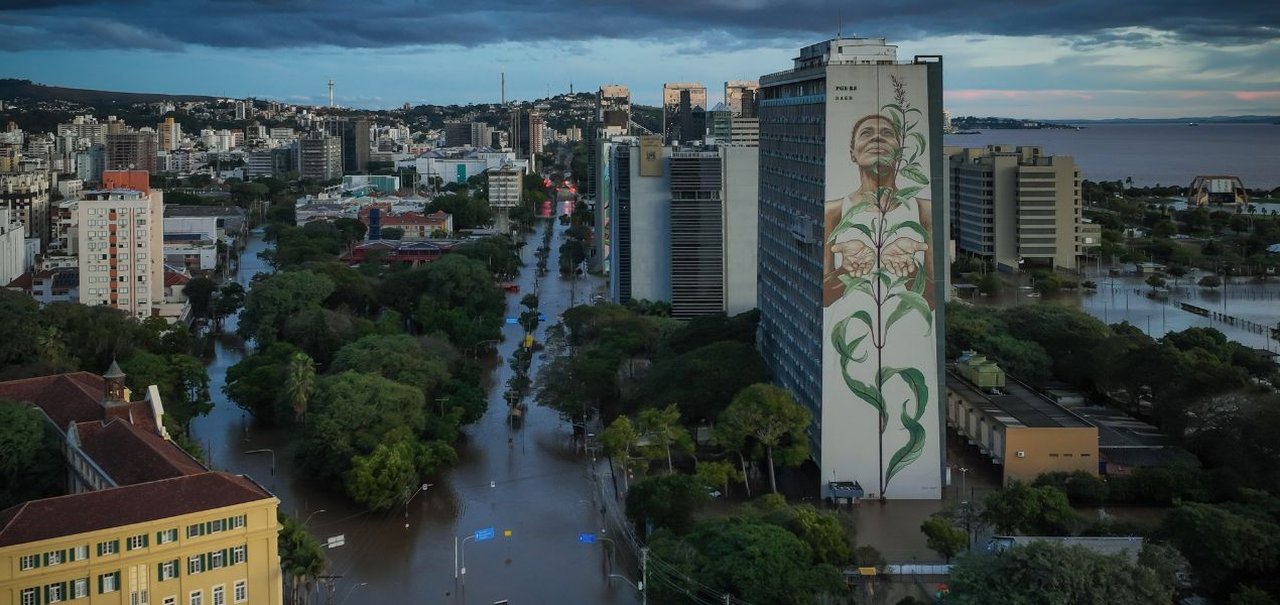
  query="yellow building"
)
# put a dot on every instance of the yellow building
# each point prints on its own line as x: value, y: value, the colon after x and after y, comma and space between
x: 206, y: 539
x: 1020, y: 430
x: 143, y: 523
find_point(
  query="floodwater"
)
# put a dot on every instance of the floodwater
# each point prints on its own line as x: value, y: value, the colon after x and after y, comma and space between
x: 531, y: 482
x: 1129, y: 298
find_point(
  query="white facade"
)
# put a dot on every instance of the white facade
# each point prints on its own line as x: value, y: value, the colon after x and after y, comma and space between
x: 121, y: 250
x: 741, y: 224
x: 459, y: 169
x: 505, y: 188
x: 13, y: 251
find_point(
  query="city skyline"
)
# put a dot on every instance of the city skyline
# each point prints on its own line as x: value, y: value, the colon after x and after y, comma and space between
x: 1146, y: 59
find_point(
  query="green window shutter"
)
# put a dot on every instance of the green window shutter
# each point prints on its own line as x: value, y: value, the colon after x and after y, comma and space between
x: 99, y: 549
x: 46, y: 593
x: 66, y: 595
x: 177, y: 568
x: 160, y: 571
x: 100, y: 584
x: 45, y: 556
x: 67, y: 554
x: 145, y: 540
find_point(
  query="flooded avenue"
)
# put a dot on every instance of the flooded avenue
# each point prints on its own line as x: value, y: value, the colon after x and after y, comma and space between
x: 530, y: 482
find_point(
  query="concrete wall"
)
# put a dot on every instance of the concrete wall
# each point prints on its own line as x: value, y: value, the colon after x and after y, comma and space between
x: 742, y: 214
x: 1047, y: 450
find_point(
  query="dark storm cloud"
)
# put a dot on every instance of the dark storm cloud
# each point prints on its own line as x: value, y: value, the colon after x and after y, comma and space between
x: 161, y: 25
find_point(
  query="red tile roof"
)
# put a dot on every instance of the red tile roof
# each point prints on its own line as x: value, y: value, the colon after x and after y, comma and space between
x: 22, y: 282
x: 129, y: 454
x: 117, y: 507
x: 173, y: 278
x: 66, y: 398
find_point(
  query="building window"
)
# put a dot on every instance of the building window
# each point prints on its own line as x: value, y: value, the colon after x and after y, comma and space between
x: 29, y: 562
x: 136, y: 542
x: 237, y: 521
x: 195, y: 530
x: 80, y: 588
x: 219, y: 596
x: 30, y: 596
x: 171, y: 601
x: 216, y: 560
x: 56, y: 592
x: 168, y: 570
x: 57, y: 557
x: 195, y: 564
x: 110, y: 547
x: 167, y: 536
x: 241, y: 591
x: 108, y: 582
x: 237, y: 555
x: 197, y: 597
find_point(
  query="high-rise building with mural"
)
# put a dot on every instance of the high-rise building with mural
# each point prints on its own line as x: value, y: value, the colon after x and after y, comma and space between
x: 853, y: 258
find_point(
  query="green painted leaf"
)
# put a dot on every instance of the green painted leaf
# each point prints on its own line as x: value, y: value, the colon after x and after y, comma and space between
x: 914, y: 110
x: 868, y: 394
x: 915, y: 175
x: 921, y: 278
x: 851, y: 284
x: 914, y: 379
x: 863, y: 317
x: 919, y: 139
x: 912, y: 225
x: 911, y: 450
x: 909, y: 192
x: 909, y: 301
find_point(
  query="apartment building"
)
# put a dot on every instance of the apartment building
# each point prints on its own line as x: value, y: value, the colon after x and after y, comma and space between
x: 120, y: 233
x: 1016, y: 207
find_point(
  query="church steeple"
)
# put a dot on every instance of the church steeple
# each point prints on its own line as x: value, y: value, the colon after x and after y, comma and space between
x: 115, y: 394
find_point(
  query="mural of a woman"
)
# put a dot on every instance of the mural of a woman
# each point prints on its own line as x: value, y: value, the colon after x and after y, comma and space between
x: 872, y: 145
x: 878, y: 299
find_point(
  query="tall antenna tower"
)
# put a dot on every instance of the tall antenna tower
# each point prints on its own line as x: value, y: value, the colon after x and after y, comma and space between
x: 330, y: 94
x: 504, y: 85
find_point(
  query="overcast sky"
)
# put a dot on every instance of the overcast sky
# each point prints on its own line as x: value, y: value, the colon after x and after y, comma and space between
x: 1045, y: 59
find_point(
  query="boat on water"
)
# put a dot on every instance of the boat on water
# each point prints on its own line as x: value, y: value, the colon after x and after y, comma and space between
x: 1193, y: 124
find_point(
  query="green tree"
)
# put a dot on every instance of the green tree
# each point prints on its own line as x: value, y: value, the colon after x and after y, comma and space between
x: 31, y: 464
x: 1042, y: 572
x: 229, y: 300
x: 662, y: 431
x: 273, y: 301
x: 705, y: 379
x: 1155, y: 281
x: 665, y: 501
x: 320, y: 333
x: 943, y: 537
x: 200, y: 292
x: 1021, y: 508
x: 619, y: 439
x: 393, y: 233
x: 772, y: 418
x: 824, y: 533
x: 1250, y: 595
x: 760, y: 561
x: 351, y: 414
x: 1222, y: 546
x: 1209, y: 281
x: 301, y: 556
x: 1082, y: 488
x: 398, y: 357
x: 181, y: 379
x: 717, y: 474
x: 299, y: 384
x: 254, y: 382
x: 380, y: 480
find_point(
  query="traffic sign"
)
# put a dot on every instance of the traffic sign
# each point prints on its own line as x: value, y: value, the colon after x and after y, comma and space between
x: 587, y: 538
x: 512, y: 320
x: 336, y: 541
x: 484, y: 534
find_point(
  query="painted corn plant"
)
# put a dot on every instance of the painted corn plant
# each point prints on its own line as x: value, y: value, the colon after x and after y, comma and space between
x: 861, y: 337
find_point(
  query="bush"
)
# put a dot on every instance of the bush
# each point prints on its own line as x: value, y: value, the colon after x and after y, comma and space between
x: 1081, y: 488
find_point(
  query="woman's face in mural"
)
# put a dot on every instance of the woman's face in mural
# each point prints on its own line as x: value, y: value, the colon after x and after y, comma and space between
x: 873, y: 138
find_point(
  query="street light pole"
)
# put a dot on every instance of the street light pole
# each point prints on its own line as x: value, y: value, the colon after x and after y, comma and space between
x: 313, y: 513
x: 351, y: 590
x: 266, y: 451
x: 460, y: 570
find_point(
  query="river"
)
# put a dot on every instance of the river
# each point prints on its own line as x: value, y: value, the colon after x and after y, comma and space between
x: 1154, y: 154
x: 536, y: 486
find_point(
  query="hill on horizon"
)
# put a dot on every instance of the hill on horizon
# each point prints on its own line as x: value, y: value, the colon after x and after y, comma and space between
x: 11, y: 88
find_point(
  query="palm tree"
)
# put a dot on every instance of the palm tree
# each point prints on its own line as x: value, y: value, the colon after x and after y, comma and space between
x: 299, y: 384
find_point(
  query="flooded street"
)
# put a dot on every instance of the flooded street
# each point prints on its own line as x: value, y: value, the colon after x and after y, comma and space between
x: 530, y: 482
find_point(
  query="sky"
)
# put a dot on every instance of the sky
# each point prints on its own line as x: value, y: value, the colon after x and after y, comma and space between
x: 1048, y: 59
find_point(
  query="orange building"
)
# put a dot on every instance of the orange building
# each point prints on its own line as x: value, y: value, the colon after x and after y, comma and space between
x: 138, y: 180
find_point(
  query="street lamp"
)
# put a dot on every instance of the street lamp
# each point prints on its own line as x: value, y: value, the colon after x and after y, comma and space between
x: 351, y: 590
x: 265, y: 451
x: 313, y: 513
x: 421, y: 489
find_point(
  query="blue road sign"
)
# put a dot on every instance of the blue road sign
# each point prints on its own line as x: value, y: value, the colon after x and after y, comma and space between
x: 512, y: 320
x: 587, y: 538
x: 484, y: 534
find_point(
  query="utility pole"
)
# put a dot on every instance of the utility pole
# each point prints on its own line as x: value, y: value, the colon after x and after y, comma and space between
x: 644, y: 576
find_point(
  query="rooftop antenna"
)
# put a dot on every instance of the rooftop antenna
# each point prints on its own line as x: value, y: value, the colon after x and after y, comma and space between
x: 504, y: 85
x: 330, y: 94
x: 839, y: 23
